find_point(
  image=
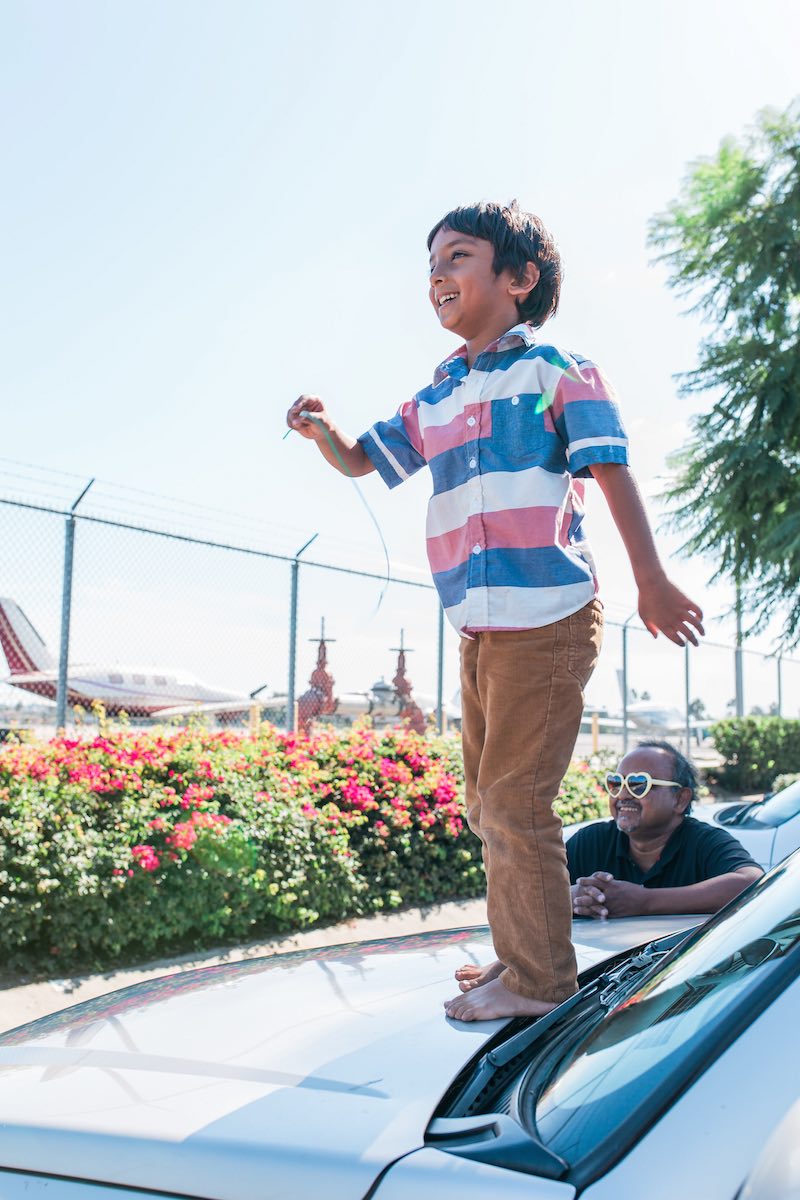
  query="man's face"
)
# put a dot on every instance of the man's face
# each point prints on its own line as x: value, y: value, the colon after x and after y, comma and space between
x: 469, y: 299
x: 661, y: 810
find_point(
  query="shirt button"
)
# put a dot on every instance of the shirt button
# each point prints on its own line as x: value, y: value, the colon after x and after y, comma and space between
x: 515, y: 399
x: 476, y: 549
x: 470, y: 420
x: 473, y: 462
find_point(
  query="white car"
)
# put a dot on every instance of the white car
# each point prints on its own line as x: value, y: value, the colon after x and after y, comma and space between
x: 335, y: 1073
x: 769, y: 829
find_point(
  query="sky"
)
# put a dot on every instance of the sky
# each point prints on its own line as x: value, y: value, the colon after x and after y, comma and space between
x: 210, y: 208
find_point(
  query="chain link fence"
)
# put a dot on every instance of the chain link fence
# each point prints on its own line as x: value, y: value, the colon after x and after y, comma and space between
x: 159, y: 623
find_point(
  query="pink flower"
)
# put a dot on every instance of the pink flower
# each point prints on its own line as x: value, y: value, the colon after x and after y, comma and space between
x: 146, y: 857
x: 183, y: 836
x: 445, y: 790
x: 359, y: 795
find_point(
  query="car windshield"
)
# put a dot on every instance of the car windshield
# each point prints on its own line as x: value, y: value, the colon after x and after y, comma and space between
x: 779, y: 808
x: 669, y: 1023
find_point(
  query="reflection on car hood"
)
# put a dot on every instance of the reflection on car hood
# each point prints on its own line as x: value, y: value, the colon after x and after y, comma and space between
x: 282, y: 1076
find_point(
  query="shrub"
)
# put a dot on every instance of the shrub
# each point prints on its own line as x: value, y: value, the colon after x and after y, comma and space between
x: 133, y: 843
x: 582, y: 796
x: 138, y: 842
x: 107, y: 850
x: 756, y: 750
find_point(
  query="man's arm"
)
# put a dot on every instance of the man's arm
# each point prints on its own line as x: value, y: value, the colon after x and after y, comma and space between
x: 343, y: 452
x: 705, y: 897
x: 600, y: 895
x: 662, y: 606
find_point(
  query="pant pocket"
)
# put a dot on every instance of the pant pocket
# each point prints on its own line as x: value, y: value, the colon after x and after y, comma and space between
x: 585, y: 640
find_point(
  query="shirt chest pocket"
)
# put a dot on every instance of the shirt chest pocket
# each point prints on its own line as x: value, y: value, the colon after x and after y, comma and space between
x: 519, y: 426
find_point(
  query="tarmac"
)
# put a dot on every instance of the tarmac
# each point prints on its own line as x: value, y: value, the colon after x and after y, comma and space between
x: 22, y: 1003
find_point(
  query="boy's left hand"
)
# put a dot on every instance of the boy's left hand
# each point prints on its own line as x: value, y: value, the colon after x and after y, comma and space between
x: 665, y: 609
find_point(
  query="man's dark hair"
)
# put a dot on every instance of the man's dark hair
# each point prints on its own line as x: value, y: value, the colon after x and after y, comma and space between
x: 518, y: 238
x: 683, y: 771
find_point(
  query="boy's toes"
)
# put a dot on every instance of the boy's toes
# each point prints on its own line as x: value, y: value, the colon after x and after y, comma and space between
x: 468, y: 971
x: 466, y: 985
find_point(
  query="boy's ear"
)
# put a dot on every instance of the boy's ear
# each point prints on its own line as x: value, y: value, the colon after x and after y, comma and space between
x: 524, y: 281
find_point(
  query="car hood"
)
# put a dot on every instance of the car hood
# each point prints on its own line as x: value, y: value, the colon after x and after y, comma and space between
x: 298, y: 1074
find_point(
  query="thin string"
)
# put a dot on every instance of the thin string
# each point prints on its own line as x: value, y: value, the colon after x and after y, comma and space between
x: 310, y: 417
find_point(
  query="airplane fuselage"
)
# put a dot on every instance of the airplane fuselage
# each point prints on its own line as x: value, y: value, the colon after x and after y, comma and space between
x: 138, y: 692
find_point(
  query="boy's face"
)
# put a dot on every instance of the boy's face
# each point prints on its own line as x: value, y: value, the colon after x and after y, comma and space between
x: 468, y: 297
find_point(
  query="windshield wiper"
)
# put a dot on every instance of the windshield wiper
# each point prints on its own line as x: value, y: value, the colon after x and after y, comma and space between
x: 633, y: 967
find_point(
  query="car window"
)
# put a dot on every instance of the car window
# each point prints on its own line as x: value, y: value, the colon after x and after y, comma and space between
x: 779, y: 808
x: 668, y: 1024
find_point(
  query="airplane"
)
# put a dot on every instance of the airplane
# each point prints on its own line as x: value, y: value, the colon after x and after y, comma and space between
x: 138, y: 691
x: 653, y: 719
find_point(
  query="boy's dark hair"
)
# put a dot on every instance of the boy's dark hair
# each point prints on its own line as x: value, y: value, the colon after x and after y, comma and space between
x: 683, y: 771
x: 518, y: 238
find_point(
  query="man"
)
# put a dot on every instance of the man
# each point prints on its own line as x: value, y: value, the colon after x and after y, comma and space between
x: 652, y: 857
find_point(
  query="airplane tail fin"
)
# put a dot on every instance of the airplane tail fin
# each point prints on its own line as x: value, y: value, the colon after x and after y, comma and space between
x: 23, y: 647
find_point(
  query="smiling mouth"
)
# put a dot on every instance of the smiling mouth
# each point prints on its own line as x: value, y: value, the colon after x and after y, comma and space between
x: 446, y: 298
x: 626, y: 806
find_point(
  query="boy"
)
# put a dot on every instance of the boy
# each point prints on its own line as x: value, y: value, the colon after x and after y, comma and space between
x: 509, y: 428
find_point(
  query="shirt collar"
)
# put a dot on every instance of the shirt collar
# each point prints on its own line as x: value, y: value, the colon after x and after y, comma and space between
x: 522, y: 334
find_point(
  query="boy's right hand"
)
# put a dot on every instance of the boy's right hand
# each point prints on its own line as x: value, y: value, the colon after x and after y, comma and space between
x: 310, y: 429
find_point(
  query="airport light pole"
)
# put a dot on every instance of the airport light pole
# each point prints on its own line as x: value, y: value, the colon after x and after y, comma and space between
x: 66, y: 608
x: 290, y: 721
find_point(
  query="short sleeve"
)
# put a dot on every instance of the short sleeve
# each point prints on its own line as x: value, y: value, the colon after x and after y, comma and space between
x: 587, y: 418
x: 720, y: 852
x: 395, y: 447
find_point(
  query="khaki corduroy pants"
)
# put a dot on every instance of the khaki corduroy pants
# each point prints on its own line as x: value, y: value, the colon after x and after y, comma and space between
x: 522, y: 701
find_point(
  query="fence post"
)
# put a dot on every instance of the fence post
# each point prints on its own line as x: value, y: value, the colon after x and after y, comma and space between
x: 66, y: 606
x: 737, y: 655
x: 625, y: 683
x: 291, y: 716
x: 780, y: 686
x: 440, y: 672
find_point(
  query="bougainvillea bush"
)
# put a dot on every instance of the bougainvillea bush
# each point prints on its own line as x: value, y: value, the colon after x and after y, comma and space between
x: 137, y: 842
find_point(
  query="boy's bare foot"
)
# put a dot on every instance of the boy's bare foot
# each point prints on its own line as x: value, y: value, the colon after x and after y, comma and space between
x: 494, y: 1000
x: 471, y: 976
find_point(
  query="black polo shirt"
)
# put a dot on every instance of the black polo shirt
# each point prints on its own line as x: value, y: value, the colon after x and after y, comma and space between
x: 695, y: 851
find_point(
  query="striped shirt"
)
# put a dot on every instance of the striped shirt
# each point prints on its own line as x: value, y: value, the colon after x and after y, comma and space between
x: 509, y: 443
